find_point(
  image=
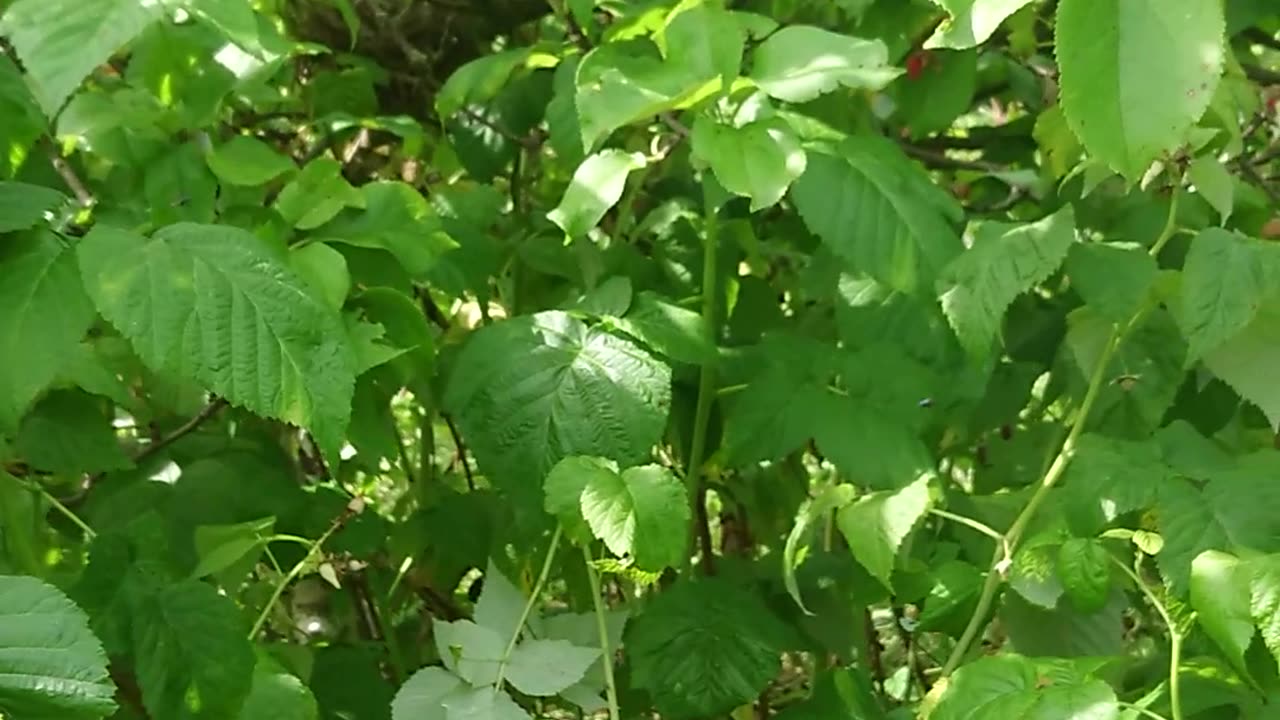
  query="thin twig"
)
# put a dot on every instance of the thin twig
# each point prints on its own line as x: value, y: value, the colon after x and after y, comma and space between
x: 461, y: 448
x: 942, y: 161
x: 69, y: 176
x: 183, y: 430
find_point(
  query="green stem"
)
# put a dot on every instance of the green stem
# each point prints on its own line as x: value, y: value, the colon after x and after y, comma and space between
x: 602, y: 626
x: 67, y: 512
x: 969, y: 523
x: 1003, y: 553
x: 1175, y: 638
x: 534, y: 596
x: 706, y: 376
x: 1142, y: 711
x: 293, y: 574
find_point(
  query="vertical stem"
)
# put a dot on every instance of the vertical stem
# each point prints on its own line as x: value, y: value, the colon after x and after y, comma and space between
x: 534, y: 595
x: 294, y: 572
x: 1175, y: 638
x: 706, y: 377
x: 602, y: 625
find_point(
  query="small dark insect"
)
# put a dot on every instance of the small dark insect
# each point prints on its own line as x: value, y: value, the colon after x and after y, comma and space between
x: 1006, y: 431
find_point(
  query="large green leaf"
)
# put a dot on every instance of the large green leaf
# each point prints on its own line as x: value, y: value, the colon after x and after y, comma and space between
x: 61, y: 41
x: 192, y: 656
x: 1012, y: 686
x: 619, y: 83
x: 530, y: 391
x: 877, y: 524
x: 758, y: 160
x: 1136, y: 75
x: 214, y: 304
x: 482, y: 704
x: 44, y: 314
x: 51, y: 665
x: 971, y: 22
x: 547, y: 667
x: 596, y: 186
x: 703, y: 648
x: 1225, y: 280
x: 1005, y: 261
x: 1109, y: 477
x: 879, y: 212
x: 1221, y: 601
x: 21, y: 120
x: 643, y: 512
x: 800, y: 62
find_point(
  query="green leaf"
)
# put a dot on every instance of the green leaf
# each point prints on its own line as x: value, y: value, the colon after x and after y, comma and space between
x: 23, y: 206
x: 1005, y: 261
x: 1264, y: 601
x: 44, y: 314
x: 1113, y: 278
x: 971, y: 22
x: 470, y: 650
x: 325, y: 270
x: 192, y: 657
x: 644, y: 513
x: 942, y: 91
x: 1136, y: 75
x: 214, y: 304
x: 564, y: 486
x: 542, y: 668
x: 1225, y: 280
x: 219, y: 547
x: 580, y: 391
x: 1220, y: 598
x: 759, y: 160
x: 1248, y: 360
x: 878, y: 212
x: 703, y: 41
x: 703, y: 648
x: 619, y: 83
x: 51, y: 665
x: 877, y: 524
x: 1214, y: 183
x: 1084, y: 567
x: 61, y: 41
x: 483, y: 704
x: 1109, y: 477
x: 423, y: 695
x: 396, y: 218
x: 317, y: 194
x: 478, y: 81
x: 668, y: 328
x: 277, y: 695
x: 831, y: 499
x: 501, y: 604
x: 800, y: 62
x: 68, y: 433
x: 21, y: 120
x: 1011, y: 686
x: 245, y: 160
x: 596, y: 186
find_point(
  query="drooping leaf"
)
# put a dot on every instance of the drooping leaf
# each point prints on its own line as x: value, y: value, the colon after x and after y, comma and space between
x: 214, y: 304
x: 1221, y: 601
x: 1084, y: 567
x: 971, y: 22
x: 22, y: 205
x: 703, y: 41
x: 800, y: 62
x: 1214, y: 183
x: 530, y: 391
x: 245, y: 160
x: 1136, y: 75
x: 703, y: 648
x: 542, y: 668
x: 61, y: 42
x: 1005, y: 261
x: 877, y: 524
x: 44, y: 314
x: 878, y: 212
x: 644, y: 513
x: 596, y: 186
x: 1225, y: 280
x: 1264, y: 602
x: 51, y: 665
x: 759, y: 160
x: 813, y: 510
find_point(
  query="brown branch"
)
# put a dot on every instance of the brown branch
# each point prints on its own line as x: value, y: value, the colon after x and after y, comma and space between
x: 209, y: 410
x: 942, y: 161
x: 461, y: 449
x: 68, y: 175
x: 1259, y: 74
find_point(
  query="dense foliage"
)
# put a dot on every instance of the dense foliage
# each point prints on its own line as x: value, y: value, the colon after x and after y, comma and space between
x: 693, y: 359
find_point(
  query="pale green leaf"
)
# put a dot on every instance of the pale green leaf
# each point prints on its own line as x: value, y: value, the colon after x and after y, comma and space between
x: 703, y: 648
x: 877, y: 524
x: 245, y: 160
x: 472, y: 651
x: 813, y: 510
x: 23, y: 206
x: 971, y: 22
x: 759, y: 160
x: 1225, y: 280
x: 483, y: 704
x: 800, y: 62
x: 1136, y: 74
x: 501, y: 604
x: 60, y: 42
x: 564, y: 485
x: 277, y: 695
x: 1114, y: 278
x: 596, y: 186
x: 191, y: 652
x: 1084, y: 567
x: 1220, y: 597
x: 878, y: 212
x: 51, y: 665
x: 703, y: 41
x: 478, y: 80
x: 1264, y: 601
x: 44, y: 314
x: 396, y: 218
x: 644, y: 513
x: 219, y: 547
x: 325, y: 270
x: 547, y: 667
x: 619, y: 83
x: 317, y: 195
x: 1247, y: 362
x: 1005, y: 261
x: 214, y: 304
x: 530, y: 391
x: 423, y: 695
x: 1214, y: 183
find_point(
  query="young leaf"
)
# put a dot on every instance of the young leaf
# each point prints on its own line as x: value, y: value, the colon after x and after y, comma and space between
x: 325, y: 270
x: 758, y: 160
x: 395, y: 217
x: 619, y: 83
x: 644, y: 513
x: 1136, y: 75
x: 564, y: 486
x: 317, y: 194
x: 1220, y: 597
x: 703, y: 648
x: 44, y: 314
x: 1084, y: 567
x: 800, y: 62
x: 423, y: 695
x: 61, y: 41
x: 971, y: 22
x: 877, y: 524
x: 878, y: 212
x: 596, y: 186
x: 542, y: 668
x: 22, y: 206
x: 222, y: 546
x: 1005, y: 261
x: 245, y: 160
x: 214, y: 304
x: 51, y: 665
x: 1225, y: 279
